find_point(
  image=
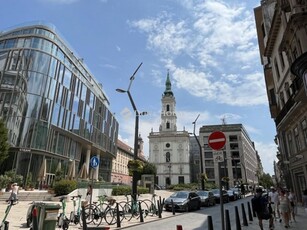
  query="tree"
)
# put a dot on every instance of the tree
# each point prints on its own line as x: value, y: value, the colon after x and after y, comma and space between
x: 4, y: 146
x: 149, y: 168
x: 266, y: 180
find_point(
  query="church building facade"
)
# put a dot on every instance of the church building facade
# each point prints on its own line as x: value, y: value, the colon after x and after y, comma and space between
x: 169, y: 148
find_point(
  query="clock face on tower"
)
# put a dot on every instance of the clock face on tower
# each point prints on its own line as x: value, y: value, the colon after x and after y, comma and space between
x: 168, y: 113
x: 168, y: 145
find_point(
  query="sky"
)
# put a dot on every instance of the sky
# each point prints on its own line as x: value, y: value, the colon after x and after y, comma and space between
x: 209, y: 48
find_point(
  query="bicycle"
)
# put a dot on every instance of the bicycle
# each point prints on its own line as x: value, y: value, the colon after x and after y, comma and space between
x: 131, y: 208
x: 104, y: 210
x: 152, y: 206
x: 7, y: 211
x: 63, y: 221
x: 75, y: 215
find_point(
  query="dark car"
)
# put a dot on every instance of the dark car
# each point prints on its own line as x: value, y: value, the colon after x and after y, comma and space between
x: 207, y: 198
x: 232, y: 195
x: 183, y: 201
x: 216, y: 193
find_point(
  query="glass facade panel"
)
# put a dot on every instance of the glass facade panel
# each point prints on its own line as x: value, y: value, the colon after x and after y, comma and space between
x: 3, y: 57
x: 36, y: 83
x: 34, y: 103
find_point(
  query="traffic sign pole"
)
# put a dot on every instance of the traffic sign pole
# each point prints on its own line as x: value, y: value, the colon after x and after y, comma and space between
x: 217, y: 141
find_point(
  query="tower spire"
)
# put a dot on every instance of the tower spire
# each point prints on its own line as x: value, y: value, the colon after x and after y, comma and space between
x: 168, y: 86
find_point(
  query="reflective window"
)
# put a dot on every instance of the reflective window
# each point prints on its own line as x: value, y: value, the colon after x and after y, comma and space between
x: 36, y: 83
x: 8, y: 80
x: 39, y: 62
x: 53, y: 67
x: 60, y: 144
x: 83, y: 92
x: 40, y: 136
x: 52, y: 89
x: 67, y: 78
x: 45, y: 109
x: 3, y: 56
x: 34, y: 103
x: 20, y: 42
x: 10, y: 43
x: 75, y: 105
x: 55, y: 114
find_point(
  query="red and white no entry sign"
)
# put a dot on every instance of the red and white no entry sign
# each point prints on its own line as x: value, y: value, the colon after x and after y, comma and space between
x: 217, y: 140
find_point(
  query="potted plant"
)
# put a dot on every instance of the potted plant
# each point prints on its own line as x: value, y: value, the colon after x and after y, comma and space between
x: 4, y: 181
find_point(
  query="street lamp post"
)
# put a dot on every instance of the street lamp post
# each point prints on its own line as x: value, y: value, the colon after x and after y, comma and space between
x: 136, y: 130
x: 201, y: 156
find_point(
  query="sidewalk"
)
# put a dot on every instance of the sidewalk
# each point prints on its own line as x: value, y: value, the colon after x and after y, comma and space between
x: 18, y: 212
x: 300, y: 223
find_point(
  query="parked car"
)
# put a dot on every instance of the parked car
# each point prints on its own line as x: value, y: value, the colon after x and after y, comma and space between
x: 232, y: 195
x: 237, y: 191
x: 183, y: 201
x: 207, y: 198
x: 216, y: 193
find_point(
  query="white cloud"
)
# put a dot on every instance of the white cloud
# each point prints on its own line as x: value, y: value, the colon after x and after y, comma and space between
x: 219, y: 48
x: 267, y: 152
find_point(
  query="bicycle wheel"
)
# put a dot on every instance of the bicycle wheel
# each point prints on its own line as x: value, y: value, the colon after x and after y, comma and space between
x: 152, y: 209
x: 125, y: 210
x: 110, y: 216
x: 91, y: 214
x: 144, y: 209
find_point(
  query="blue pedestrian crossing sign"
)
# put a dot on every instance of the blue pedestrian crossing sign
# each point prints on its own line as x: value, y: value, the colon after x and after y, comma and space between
x: 94, y: 162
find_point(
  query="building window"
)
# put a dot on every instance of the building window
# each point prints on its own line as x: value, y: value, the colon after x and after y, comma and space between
x: 290, y: 142
x: 167, y: 157
x: 297, y: 139
x: 181, y: 179
x: 304, y: 128
x: 167, y: 108
x: 276, y: 69
x: 167, y: 125
x: 281, y: 57
x: 233, y: 138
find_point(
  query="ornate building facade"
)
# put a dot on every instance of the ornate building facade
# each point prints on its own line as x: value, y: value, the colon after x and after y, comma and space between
x: 282, y: 37
x: 169, y: 148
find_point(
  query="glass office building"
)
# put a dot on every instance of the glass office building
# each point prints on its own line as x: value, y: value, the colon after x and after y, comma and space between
x: 55, y: 111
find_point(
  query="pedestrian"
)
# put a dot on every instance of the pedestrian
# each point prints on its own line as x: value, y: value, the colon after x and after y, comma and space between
x: 274, y: 200
x: 293, y: 202
x: 284, y: 207
x: 89, y: 193
x: 14, y: 191
x: 260, y: 207
x: 304, y: 200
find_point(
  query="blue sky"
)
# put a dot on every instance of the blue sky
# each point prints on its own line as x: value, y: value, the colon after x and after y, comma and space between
x: 209, y: 47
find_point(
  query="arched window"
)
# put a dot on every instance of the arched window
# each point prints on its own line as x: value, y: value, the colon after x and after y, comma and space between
x: 167, y: 107
x: 168, y: 157
x: 168, y: 125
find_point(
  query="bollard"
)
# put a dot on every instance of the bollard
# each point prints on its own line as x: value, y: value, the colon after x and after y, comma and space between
x: 6, y: 225
x: 161, y: 204
x: 117, y: 216
x: 228, y: 225
x: 83, y: 218
x: 173, y: 208
x: 238, y: 223
x: 179, y: 227
x: 210, y: 224
x: 244, y: 215
x: 250, y: 217
x: 141, y: 213
x: 34, y: 219
x: 159, y: 209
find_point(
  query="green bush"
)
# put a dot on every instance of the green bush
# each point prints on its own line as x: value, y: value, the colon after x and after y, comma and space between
x: 123, y: 190
x: 177, y: 187
x: 64, y: 187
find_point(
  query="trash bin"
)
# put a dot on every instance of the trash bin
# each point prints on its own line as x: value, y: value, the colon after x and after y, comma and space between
x: 48, y: 216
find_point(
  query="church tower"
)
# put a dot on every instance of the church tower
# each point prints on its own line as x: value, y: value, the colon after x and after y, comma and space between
x: 169, y: 148
x: 168, y: 113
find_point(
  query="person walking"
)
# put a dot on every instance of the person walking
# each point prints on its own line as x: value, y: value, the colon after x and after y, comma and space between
x: 274, y: 200
x: 14, y: 191
x: 293, y: 202
x: 284, y: 208
x: 260, y: 207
